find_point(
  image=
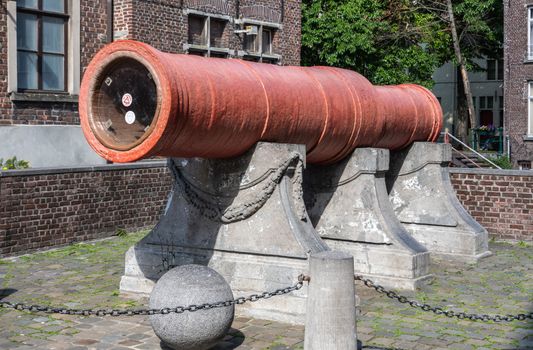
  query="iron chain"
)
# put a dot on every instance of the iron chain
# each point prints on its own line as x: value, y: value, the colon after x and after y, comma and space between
x: 142, y: 312
x: 440, y: 311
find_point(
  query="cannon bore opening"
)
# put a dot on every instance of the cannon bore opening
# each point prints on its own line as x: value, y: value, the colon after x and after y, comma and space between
x: 124, y: 104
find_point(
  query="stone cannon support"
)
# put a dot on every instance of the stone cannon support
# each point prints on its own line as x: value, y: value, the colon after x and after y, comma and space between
x: 425, y: 203
x: 349, y: 206
x: 245, y: 218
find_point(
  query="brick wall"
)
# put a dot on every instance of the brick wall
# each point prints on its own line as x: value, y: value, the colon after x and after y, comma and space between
x: 47, y: 208
x: 518, y: 72
x: 500, y: 200
x: 93, y: 29
x: 161, y: 23
x: 164, y: 25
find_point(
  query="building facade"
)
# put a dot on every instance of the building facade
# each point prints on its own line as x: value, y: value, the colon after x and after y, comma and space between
x: 487, y: 93
x: 518, y: 86
x: 45, y: 45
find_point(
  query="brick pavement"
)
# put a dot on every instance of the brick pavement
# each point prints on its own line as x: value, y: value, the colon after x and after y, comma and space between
x: 87, y: 275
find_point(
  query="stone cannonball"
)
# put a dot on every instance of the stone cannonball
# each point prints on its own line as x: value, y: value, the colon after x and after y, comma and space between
x: 183, y: 286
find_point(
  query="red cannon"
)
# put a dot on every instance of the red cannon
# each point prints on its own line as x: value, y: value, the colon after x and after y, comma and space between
x: 138, y: 102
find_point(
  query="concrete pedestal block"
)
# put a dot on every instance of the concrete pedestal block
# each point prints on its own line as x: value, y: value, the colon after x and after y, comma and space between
x: 424, y: 201
x: 349, y: 206
x: 245, y: 218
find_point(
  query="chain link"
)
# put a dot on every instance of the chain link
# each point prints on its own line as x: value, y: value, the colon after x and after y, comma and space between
x: 440, y: 311
x: 265, y: 295
x: 163, y: 311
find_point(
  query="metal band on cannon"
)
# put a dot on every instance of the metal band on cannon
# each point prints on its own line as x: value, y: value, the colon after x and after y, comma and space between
x: 137, y: 102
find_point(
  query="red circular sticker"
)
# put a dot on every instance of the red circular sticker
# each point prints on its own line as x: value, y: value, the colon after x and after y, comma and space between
x: 127, y: 100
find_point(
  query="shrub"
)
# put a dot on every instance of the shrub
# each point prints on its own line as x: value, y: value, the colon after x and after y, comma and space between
x: 13, y: 163
x: 503, y: 162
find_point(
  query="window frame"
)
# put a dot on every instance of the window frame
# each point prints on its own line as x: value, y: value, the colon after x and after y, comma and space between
x: 529, y: 108
x: 73, y: 54
x: 260, y: 56
x: 529, y: 34
x: 206, y: 49
x: 40, y: 13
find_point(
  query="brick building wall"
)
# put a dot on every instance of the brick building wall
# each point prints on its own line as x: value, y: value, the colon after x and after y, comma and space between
x: 518, y: 72
x: 500, y: 200
x: 164, y: 23
x: 42, y: 209
x: 27, y: 114
x: 161, y: 23
x: 33, y: 111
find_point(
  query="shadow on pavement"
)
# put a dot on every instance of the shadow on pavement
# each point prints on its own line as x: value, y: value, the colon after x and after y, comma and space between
x: 236, y: 338
x: 5, y: 292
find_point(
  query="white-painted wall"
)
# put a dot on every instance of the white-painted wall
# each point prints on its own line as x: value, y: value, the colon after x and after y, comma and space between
x: 47, y: 145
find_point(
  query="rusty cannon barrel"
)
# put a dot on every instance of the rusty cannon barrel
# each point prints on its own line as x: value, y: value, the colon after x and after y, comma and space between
x: 138, y: 102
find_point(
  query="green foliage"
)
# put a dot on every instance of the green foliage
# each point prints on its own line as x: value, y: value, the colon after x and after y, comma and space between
x: 397, y: 41
x: 503, y: 162
x: 120, y: 232
x: 13, y: 163
x: 480, y: 28
x: 385, y: 40
x: 523, y: 244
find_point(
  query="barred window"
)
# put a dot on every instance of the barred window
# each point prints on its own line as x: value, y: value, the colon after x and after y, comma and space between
x: 206, y: 36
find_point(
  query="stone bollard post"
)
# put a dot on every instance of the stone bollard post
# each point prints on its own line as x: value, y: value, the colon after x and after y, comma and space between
x: 330, y: 316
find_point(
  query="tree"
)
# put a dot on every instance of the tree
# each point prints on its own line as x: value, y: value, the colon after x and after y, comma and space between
x: 386, y: 41
x: 399, y: 41
x: 476, y: 29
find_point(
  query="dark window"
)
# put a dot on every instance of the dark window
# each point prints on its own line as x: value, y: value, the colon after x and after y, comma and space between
x: 490, y: 102
x: 500, y: 70
x: 258, y: 43
x: 266, y: 41
x: 205, y: 33
x: 197, y: 30
x: 42, y: 44
x: 524, y: 164
x: 251, y: 41
x: 218, y: 54
x: 252, y: 58
x: 491, y: 69
x: 216, y: 29
x: 500, y: 105
x: 197, y: 53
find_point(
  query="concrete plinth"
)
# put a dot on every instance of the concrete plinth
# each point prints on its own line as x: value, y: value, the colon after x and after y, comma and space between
x: 425, y: 203
x: 245, y: 218
x: 349, y: 206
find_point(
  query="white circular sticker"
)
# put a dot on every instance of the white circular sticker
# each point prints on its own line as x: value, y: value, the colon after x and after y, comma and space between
x: 130, y: 117
x: 127, y: 99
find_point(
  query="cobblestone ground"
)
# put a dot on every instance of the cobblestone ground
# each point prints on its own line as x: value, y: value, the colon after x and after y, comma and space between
x: 87, y: 276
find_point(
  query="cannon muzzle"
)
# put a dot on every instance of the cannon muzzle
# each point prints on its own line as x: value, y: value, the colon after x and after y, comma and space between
x: 138, y: 102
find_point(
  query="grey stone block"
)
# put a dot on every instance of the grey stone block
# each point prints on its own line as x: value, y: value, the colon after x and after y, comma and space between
x: 424, y: 201
x: 244, y: 217
x: 349, y: 206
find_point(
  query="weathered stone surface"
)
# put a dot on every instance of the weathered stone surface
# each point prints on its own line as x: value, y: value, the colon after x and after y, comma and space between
x: 244, y: 217
x: 424, y: 201
x: 191, y: 285
x: 349, y: 206
x: 330, y: 318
